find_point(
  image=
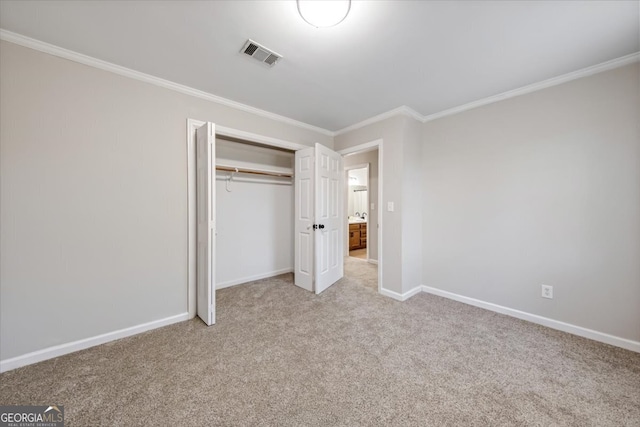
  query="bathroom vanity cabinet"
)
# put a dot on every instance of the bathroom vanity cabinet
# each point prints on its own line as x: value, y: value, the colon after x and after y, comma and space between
x: 357, y: 235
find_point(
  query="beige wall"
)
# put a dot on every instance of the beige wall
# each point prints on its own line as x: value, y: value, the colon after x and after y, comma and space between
x: 411, y: 206
x: 370, y: 157
x: 541, y: 188
x: 93, y: 189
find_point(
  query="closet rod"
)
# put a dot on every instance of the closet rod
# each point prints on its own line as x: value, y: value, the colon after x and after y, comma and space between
x: 253, y: 171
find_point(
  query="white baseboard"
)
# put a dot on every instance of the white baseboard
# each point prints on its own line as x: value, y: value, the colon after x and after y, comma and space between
x: 62, y: 349
x: 401, y: 297
x: 234, y: 282
x: 544, y: 321
x: 373, y: 261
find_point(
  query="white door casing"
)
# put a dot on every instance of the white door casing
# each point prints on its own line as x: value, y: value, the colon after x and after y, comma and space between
x: 328, y: 216
x: 206, y: 222
x: 304, y: 212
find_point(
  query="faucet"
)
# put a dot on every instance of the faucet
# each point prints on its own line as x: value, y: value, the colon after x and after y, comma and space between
x: 358, y: 214
x: 364, y: 215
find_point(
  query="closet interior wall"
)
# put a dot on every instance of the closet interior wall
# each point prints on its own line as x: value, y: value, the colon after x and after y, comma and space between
x: 254, y: 213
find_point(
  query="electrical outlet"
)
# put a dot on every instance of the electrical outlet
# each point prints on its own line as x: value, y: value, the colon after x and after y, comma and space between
x: 390, y: 206
x: 547, y: 291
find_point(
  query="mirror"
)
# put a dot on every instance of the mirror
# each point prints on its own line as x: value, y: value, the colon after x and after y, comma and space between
x: 358, y: 200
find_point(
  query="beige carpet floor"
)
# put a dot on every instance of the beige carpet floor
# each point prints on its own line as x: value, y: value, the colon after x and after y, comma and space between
x: 279, y: 355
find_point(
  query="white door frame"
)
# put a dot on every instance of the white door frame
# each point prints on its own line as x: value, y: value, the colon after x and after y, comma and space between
x: 361, y: 148
x: 192, y: 125
x: 346, y: 189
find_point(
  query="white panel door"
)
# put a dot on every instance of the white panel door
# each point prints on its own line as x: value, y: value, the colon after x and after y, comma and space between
x: 329, y: 260
x: 304, y: 211
x: 206, y: 219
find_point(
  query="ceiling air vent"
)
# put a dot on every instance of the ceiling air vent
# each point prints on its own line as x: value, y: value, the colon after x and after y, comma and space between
x: 260, y: 53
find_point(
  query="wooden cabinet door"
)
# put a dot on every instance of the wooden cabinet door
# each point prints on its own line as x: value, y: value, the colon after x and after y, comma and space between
x: 354, y: 239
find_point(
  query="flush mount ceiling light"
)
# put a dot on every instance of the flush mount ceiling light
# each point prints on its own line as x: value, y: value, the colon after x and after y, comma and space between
x: 324, y: 13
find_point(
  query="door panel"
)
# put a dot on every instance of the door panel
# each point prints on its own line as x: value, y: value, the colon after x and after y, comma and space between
x: 318, y: 251
x: 304, y: 212
x: 206, y: 220
x: 329, y: 250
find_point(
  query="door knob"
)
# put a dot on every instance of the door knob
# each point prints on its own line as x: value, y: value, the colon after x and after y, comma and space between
x: 321, y: 226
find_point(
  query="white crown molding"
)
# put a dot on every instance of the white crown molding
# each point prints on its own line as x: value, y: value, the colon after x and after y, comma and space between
x: 540, y: 320
x: 402, y: 110
x: 410, y: 112
x: 554, y: 81
x: 41, y: 46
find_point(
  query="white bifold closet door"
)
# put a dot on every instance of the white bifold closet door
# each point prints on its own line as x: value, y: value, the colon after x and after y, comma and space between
x: 206, y: 222
x: 319, y: 218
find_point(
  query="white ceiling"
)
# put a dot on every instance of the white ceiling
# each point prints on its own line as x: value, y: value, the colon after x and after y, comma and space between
x: 427, y: 55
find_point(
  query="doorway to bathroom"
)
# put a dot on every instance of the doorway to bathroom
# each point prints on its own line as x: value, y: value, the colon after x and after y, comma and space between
x: 363, y: 187
x: 358, y: 210
x: 367, y: 268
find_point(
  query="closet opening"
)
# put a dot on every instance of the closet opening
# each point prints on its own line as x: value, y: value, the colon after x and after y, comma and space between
x: 254, y: 211
x: 247, y: 162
